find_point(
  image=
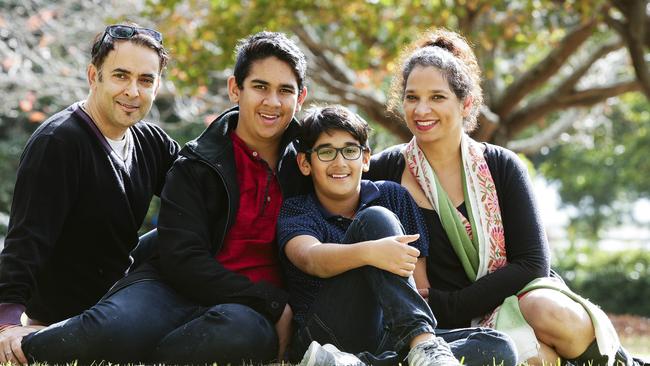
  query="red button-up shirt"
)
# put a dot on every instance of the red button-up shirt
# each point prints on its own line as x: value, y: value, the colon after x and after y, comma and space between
x: 250, y: 247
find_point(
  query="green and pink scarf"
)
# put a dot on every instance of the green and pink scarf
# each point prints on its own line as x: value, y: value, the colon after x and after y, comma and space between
x: 479, y: 243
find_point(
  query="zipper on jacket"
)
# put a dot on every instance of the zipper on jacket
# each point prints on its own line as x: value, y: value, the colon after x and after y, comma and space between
x: 216, y: 167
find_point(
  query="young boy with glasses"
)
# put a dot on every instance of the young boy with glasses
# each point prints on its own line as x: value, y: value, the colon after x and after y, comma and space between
x: 83, y: 188
x: 349, y: 251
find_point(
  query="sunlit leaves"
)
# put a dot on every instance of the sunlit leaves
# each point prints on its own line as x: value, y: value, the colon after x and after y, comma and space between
x: 367, y: 35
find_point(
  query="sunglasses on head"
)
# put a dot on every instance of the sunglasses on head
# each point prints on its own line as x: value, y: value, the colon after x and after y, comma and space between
x: 127, y: 32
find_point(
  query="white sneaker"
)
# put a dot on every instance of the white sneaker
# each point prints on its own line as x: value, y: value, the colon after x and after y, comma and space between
x: 433, y: 352
x: 328, y: 355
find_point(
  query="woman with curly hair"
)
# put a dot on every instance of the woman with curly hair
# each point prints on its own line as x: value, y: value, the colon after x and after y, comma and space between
x: 488, y: 262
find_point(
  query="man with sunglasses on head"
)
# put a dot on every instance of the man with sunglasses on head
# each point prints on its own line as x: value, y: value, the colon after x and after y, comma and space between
x: 83, y: 188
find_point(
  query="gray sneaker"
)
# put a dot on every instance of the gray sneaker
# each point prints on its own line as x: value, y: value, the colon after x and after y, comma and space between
x: 328, y: 355
x: 434, y: 352
x: 638, y: 361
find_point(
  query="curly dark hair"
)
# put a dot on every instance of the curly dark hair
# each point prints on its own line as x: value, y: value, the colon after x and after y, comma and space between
x: 450, y: 53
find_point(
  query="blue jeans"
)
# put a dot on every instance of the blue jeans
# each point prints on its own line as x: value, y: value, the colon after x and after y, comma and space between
x: 474, y: 346
x: 375, y: 313
x: 149, y: 322
x: 480, y: 346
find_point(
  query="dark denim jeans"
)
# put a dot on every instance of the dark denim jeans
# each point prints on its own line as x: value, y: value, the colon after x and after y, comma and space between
x: 374, y: 313
x: 149, y: 322
x: 145, y: 248
x: 480, y: 346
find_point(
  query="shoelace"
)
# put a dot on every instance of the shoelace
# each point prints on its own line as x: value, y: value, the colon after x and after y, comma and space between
x: 435, y: 349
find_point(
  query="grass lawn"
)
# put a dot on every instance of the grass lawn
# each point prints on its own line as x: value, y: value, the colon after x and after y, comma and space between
x: 634, y: 332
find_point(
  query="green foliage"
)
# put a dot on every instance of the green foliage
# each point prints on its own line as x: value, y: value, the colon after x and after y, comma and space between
x: 603, y: 169
x: 509, y: 38
x: 366, y: 35
x: 10, y: 151
x: 618, y: 282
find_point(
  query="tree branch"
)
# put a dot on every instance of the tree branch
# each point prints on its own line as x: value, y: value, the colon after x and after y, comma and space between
x: 544, y: 70
x: 309, y: 38
x: 488, y: 127
x: 488, y: 124
x: 337, y: 79
x: 472, y: 13
x: 570, y: 82
x: 647, y: 34
x: 634, y: 33
x: 544, y: 138
x: 528, y: 115
x: 373, y: 106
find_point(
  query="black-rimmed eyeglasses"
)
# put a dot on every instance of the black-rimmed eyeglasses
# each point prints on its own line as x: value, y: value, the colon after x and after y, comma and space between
x: 120, y: 31
x: 328, y: 153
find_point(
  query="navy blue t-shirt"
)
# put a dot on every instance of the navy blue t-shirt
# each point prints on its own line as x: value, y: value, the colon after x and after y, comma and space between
x: 304, y: 215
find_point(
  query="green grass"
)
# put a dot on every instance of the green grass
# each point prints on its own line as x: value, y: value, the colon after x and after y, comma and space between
x: 638, y: 346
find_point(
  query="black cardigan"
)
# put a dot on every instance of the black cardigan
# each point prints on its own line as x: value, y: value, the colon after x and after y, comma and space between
x: 455, y: 299
x: 76, y: 211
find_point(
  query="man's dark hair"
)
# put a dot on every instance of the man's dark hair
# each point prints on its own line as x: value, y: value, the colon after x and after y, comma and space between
x: 266, y: 44
x: 103, y: 45
x: 318, y: 120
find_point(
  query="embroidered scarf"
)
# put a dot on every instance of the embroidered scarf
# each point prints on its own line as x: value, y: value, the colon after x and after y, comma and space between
x: 480, y: 245
x: 478, y: 240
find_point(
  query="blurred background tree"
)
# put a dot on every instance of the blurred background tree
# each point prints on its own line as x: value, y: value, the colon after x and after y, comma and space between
x: 565, y: 82
x: 553, y: 75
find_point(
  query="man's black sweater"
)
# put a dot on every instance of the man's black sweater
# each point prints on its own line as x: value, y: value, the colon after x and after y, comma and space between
x: 76, y: 211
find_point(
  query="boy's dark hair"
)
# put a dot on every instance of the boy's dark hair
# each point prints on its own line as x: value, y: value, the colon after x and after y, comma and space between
x: 103, y: 45
x: 266, y: 44
x: 318, y: 120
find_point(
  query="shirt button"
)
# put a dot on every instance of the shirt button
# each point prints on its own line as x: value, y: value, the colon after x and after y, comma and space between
x: 255, y: 153
x: 275, y: 304
x: 268, y: 199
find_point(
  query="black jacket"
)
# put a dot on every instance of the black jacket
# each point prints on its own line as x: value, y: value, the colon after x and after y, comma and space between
x: 198, y: 205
